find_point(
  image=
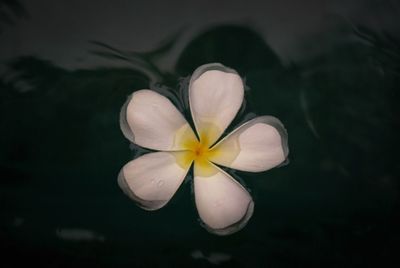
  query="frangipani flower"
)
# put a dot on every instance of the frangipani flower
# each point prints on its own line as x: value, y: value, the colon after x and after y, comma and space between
x: 150, y: 120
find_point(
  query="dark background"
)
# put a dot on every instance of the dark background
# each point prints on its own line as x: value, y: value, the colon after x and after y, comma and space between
x: 329, y: 70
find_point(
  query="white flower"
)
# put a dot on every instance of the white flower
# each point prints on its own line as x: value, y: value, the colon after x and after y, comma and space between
x: 150, y: 120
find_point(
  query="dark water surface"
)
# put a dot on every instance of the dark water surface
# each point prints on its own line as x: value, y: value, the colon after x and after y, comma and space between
x: 335, y: 204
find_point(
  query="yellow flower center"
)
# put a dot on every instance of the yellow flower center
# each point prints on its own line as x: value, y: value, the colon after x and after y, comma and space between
x: 197, y: 151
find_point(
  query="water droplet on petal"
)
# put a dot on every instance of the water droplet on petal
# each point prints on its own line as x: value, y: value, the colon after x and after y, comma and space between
x: 217, y: 203
x: 160, y: 183
x: 155, y: 107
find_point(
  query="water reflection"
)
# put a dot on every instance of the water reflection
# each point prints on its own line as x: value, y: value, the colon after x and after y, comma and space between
x: 213, y: 258
x: 79, y: 235
x: 10, y: 11
x: 62, y: 150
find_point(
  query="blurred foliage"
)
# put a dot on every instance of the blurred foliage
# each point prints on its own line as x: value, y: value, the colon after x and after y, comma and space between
x: 331, y: 206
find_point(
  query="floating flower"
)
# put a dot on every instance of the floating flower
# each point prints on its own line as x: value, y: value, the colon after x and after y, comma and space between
x: 150, y: 120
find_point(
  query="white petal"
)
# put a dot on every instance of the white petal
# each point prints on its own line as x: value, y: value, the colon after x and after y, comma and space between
x: 152, y: 179
x: 150, y: 120
x: 258, y: 145
x: 223, y: 204
x: 215, y: 96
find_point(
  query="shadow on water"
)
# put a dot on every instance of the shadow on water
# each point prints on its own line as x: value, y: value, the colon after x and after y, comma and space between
x: 239, y: 47
x: 332, y: 205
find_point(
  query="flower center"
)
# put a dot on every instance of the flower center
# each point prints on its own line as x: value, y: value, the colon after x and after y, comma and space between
x: 199, y: 152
